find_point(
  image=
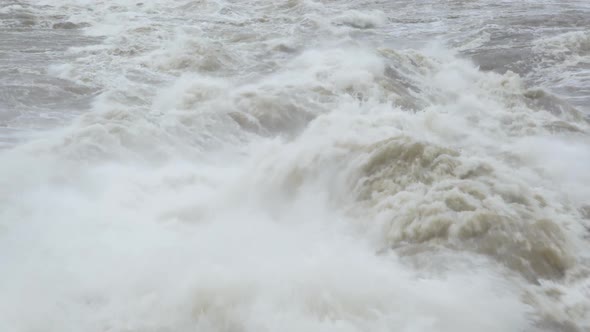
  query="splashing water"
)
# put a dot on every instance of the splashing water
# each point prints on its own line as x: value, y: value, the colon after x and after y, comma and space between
x: 296, y: 165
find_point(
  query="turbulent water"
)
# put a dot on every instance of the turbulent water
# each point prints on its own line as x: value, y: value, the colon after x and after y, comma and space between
x: 298, y: 165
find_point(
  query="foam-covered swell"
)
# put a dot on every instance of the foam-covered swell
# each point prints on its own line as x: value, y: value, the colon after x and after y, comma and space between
x: 31, y: 99
x: 567, y: 58
x: 263, y: 166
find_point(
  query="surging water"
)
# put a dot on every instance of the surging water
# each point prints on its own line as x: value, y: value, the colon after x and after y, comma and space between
x: 295, y: 165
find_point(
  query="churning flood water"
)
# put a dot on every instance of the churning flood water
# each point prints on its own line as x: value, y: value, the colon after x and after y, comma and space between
x: 297, y: 165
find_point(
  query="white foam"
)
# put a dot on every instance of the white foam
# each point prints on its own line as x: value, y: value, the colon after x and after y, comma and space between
x: 314, y: 189
x: 362, y: 20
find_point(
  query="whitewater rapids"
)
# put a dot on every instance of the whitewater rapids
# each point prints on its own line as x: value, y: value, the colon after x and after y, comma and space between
x: 237, y: 166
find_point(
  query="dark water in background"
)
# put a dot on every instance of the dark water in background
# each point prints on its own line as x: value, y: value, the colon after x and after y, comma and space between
x: 294, y: 165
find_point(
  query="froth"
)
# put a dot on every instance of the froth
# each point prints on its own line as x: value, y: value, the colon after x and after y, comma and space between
x: 260, y: 166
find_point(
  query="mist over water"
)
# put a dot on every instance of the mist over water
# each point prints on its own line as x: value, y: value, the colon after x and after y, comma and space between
x: 294, y: 166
